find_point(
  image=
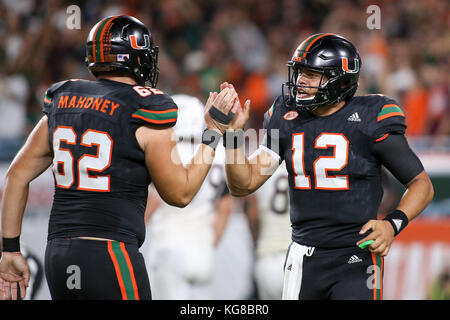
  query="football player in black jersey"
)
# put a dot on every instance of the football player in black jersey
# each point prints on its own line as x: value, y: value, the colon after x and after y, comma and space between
x: 106, y: 140
x: 334, y: 144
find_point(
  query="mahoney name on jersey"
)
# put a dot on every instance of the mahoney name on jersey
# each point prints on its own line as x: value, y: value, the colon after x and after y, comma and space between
x: 101, y: 178
x: 97, y: 104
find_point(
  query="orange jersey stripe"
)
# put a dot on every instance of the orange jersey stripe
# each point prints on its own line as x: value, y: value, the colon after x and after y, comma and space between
x: 164, y: 111
x: 389, y: 105
x: 154, y: 121
x: 130, y: 267
x: 118, y: 274
x: 388, y: 115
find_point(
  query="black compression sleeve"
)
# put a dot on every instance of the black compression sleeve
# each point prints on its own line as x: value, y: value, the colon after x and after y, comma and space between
x: 396, y: 155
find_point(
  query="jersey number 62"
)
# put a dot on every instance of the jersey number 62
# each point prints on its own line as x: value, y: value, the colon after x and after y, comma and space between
x: 64, y: 162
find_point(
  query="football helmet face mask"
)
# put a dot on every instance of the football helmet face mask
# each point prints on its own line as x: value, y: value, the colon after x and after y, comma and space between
x: 123, y: 44
x: 337, y: 61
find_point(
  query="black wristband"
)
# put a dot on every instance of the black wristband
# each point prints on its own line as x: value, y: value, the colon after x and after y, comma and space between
x: 233, y: 139
x: 398, y: 219
x: 219, y: 116
x: 211, y: 138
x: 11, y: 244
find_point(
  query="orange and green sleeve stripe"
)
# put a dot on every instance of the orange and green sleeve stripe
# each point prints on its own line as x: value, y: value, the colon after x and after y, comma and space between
x: 47, y: 99
x: 157, y: 117
x: 271, y: 110
x: 124, y: 270
x: 389, y: 110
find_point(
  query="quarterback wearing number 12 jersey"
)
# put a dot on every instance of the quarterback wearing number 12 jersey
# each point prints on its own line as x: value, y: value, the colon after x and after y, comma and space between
x: 331, y: 165
x: 334, y: 144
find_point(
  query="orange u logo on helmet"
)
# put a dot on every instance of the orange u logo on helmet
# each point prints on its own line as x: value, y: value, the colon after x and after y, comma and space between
x: 345, y: 65
x: 135, y: 45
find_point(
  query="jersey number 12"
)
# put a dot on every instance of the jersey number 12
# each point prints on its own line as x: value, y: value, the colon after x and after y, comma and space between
x: 323, y: 164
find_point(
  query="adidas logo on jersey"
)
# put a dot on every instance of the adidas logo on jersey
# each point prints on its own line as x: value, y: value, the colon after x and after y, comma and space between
x: 354, y: 259
x: 354, y: 117
x: 289, y: 267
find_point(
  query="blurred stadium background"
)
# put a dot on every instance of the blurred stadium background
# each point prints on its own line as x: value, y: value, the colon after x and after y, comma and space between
x: 248, y: 42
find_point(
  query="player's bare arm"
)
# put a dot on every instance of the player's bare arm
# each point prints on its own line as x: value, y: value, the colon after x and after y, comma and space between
x: 418, y: 195
x: 246, y: 175
x: 177, y: 184
x: 33, y: 159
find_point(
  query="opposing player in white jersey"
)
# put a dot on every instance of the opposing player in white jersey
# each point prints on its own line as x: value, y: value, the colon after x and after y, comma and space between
x: 182, y: 241
x: 271, y: 226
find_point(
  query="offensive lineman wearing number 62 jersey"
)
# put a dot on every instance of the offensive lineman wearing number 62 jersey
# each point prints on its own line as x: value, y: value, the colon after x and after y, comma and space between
x: 106, y: 140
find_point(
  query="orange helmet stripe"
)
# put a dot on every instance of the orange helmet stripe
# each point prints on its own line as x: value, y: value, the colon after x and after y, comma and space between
x: 97, y: 40
x: 312, y: 41
x: 102, y: 34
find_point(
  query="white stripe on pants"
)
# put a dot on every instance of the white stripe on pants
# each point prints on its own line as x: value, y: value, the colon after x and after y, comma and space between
x: 294, y: 270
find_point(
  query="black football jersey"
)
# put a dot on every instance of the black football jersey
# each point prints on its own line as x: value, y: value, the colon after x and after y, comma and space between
x: 334, y: 176
x: 101, y: 179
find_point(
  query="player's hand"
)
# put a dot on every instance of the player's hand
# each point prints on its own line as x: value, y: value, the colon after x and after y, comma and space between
x: 242, y: 114
x: 14, y: 272
x: 382, y: 234
x: 224, y: 102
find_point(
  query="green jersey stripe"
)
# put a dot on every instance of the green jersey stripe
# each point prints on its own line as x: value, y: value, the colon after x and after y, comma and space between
x: 390, y: 109
x: 157, y: 116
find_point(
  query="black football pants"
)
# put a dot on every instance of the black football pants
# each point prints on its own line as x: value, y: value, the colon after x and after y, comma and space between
x: 336, y: 274
x: 79, y: 269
